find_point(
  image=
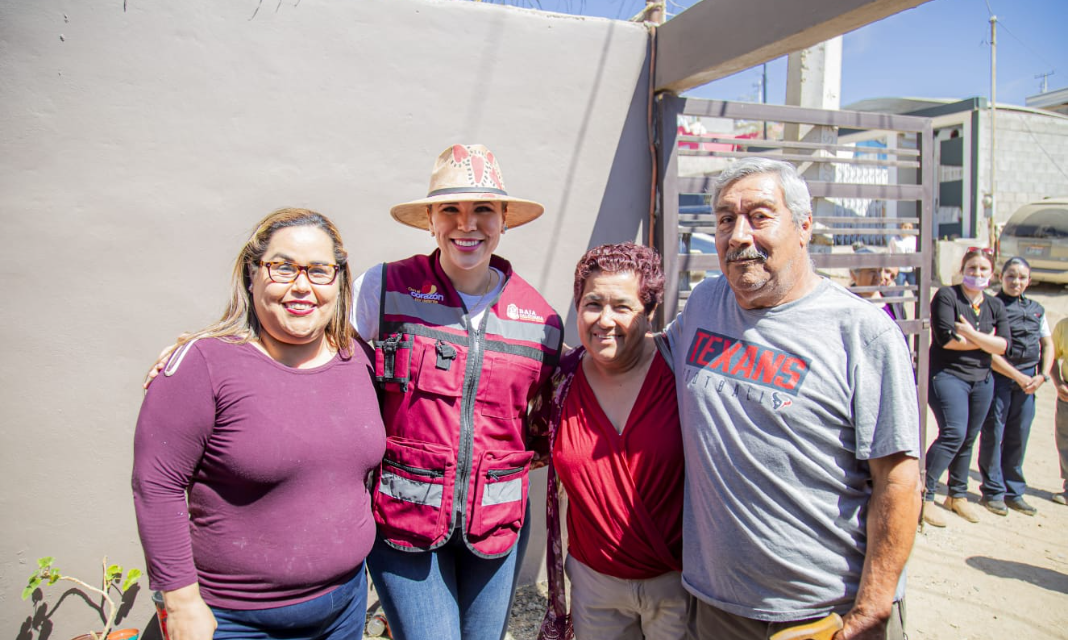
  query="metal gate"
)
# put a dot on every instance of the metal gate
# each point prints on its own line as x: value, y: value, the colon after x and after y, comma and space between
x: 867, y: 174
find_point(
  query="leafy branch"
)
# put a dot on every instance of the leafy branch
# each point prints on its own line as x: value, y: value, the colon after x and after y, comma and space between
x: 113, y: 579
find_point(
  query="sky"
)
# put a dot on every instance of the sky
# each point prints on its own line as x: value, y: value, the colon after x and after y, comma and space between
x: 939, y: 49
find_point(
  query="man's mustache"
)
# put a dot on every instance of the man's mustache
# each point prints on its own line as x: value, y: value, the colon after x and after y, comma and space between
x: 746, y: 253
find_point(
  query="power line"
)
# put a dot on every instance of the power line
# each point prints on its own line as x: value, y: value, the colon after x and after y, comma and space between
x: 992, y: 15
x: 1028, y: 48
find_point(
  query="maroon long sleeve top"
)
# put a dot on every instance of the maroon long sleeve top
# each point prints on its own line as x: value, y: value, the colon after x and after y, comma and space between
x: 249, y: 475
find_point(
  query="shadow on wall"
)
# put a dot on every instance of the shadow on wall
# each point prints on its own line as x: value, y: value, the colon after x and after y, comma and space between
x: 39, y: 624
x: 1039, y: 576
x: 622, y: 184
x: 628, y: 183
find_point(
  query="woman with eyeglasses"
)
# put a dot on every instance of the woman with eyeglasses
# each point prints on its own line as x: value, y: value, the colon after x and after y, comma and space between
x: 968, y: 328
x: 462, y: 344
x: 251, y: 451
x: 1019, y: 373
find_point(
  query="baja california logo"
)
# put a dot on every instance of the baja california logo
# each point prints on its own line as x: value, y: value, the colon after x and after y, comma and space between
x: 428, y: 293
x: 516, y: 313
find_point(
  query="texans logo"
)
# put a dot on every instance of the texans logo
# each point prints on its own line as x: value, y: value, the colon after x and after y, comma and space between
x: 778, y: 404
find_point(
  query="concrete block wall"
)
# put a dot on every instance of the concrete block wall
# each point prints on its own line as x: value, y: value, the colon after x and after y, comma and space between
x: 139, y: 143
x: 1031, y: 157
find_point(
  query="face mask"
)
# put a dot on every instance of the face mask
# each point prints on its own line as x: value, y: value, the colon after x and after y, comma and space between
x: 975, y: 282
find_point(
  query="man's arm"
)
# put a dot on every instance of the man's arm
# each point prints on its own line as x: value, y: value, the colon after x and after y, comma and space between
x: 890, y: 528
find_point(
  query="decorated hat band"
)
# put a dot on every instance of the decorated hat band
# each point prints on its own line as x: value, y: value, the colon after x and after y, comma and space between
x: 466, y: 173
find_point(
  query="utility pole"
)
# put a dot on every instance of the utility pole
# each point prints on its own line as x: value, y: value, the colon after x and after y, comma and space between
x: 991, y: 199
x: 1043, y: 77
x: 765, y: 125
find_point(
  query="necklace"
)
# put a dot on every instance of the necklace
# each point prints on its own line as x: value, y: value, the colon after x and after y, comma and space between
x: 975, y: 303
x: 491, y: 277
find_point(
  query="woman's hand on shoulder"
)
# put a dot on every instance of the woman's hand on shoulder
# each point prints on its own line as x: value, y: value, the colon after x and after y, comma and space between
x: 188, y: 617
x: 158, y: 366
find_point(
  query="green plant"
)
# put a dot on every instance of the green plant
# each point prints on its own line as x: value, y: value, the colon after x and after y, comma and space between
x: 47, y: 574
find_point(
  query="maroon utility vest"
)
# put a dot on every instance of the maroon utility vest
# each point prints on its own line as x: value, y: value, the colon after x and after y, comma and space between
x: 455, y: 400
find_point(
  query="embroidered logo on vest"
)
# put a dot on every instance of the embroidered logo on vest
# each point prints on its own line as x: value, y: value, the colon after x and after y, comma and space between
x: 428, y: 293
x: 516, y: 313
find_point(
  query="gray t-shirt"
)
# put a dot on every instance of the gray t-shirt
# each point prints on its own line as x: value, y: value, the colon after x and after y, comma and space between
x: 780, y: 409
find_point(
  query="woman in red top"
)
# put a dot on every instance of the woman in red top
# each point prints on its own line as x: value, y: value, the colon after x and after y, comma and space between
x: 617, y: 452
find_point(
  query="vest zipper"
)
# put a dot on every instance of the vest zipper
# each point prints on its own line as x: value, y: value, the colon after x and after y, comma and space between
x: 473, y: 367
x: 429, y: 473
x: 494, y: 474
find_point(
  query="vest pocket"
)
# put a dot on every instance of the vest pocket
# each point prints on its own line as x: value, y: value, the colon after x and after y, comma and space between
x: 393, y: 358
x: 505, y: 385
x: 441, y: 370
x: 501, y: 494
x: 414, y: 497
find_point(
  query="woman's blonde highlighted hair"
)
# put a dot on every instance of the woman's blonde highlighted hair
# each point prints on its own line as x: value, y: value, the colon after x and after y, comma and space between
x: 239, y: 323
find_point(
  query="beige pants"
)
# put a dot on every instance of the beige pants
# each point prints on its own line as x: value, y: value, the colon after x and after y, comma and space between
x: 606, y: 607
x: 706, y: 621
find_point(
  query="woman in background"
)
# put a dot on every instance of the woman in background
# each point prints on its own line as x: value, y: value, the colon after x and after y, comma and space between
x: 905, y: 243
x: 1018, y: 374
x: 251, y: 452
x: 877, y: 277
x: 968, y: 327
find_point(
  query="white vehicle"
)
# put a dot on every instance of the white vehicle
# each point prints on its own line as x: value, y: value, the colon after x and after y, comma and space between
x: 1037, y: 232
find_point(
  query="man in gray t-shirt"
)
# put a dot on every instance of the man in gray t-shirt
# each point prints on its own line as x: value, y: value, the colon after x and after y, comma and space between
x: 800, y: 423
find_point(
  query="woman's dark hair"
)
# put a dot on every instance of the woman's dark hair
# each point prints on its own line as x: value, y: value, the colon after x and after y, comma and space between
x: 1017, y: 260
x: 626, y: 257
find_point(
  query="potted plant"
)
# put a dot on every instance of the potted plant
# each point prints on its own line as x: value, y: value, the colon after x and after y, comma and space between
x: 113, y: 579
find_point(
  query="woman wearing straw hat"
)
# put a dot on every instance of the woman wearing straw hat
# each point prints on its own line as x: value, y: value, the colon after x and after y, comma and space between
x: 462, y: 344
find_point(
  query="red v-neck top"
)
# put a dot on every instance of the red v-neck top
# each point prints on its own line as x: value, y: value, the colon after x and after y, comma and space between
x: 625, y: 491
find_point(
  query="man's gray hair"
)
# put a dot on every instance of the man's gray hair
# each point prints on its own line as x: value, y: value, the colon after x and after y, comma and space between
x: 796, y: 193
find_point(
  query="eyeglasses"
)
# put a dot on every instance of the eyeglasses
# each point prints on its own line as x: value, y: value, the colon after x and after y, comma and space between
x: 984, y: 250
x: 284, y: 272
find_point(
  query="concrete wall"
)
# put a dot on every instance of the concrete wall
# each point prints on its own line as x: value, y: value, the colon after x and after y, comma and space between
x: 139, y: 145
x: 1031, y: 158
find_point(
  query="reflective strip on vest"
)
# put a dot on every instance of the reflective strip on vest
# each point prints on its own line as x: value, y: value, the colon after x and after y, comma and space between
x: 502, y: 492
x: 410, y: 490
x: 543, y: 334
x: 445, y: 317
x: 436, y: 314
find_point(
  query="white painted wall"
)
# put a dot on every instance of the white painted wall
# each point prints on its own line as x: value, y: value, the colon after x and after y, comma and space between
x: 138, y: 147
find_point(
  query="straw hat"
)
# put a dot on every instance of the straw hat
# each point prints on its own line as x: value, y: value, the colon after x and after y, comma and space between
x: 466, y: 173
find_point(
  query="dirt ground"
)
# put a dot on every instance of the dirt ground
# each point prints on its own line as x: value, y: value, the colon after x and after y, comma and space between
x: 1004, y: 577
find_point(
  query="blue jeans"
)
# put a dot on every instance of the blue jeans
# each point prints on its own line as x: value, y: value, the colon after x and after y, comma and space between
x: 907, y: 276
x: 960, y: 409
x: 449, y: 593
x: 1003, y: 440
x: 338, y: 615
